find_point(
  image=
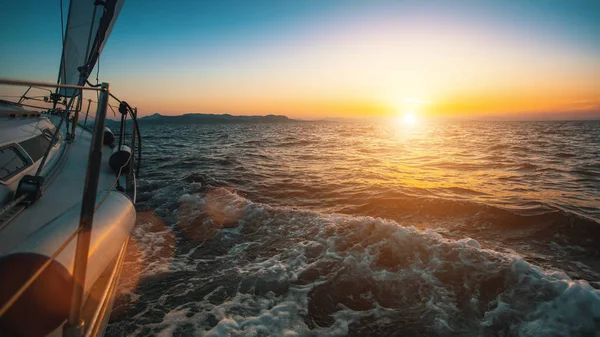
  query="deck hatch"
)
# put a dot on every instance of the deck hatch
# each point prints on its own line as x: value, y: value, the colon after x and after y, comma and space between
x: 12, y: 161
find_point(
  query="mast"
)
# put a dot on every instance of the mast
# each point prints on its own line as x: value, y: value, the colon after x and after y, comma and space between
x: 89, y: 25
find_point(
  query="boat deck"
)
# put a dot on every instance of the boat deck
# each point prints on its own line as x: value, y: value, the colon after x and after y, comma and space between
x: 62, y: 193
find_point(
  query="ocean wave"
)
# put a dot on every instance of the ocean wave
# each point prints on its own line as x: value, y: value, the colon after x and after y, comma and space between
x: 496, y: 147
x: 565, y: 155
x: 244, y: 268
x: 526, y: 220
x: 292, y: 143
x: 257, y: 142
x: 593, y: 173
x: 527, y: 167
x: 460, y: 191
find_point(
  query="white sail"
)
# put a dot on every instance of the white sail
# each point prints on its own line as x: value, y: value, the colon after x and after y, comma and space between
x: 88, y: 27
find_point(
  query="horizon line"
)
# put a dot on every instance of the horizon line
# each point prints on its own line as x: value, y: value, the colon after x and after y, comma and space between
x: 527, y: 117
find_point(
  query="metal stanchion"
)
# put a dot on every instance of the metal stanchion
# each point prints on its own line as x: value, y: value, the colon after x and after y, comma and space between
x: 75, y: 326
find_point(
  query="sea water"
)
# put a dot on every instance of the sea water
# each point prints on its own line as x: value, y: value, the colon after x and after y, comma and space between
x: 365, y: 229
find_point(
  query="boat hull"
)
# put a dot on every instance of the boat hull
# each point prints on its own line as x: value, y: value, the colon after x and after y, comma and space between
x: 44, y: 306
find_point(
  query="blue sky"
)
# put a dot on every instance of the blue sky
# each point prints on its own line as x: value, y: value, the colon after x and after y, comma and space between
x: 311, y: 57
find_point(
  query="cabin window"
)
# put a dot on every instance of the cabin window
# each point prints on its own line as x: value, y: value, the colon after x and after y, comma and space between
x: 36, y: 147
x: 12, y: 161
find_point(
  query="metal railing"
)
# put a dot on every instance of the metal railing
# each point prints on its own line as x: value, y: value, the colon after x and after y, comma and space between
x: 24, y: 97
x: 75, y: 324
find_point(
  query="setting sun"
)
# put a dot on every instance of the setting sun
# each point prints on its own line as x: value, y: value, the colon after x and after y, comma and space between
x: 408, y: 119
x: 409, y: 110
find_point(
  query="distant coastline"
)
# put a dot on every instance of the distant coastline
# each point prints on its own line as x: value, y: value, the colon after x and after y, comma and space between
x: 198, y: 118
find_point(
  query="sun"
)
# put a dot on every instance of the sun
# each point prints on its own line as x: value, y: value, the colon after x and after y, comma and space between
x: 409, y: 111
x: 408, y: 119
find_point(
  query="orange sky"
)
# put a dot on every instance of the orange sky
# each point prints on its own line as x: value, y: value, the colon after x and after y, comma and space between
x: 363, y: 59
x: 341, y: 70
x: 360, y: 77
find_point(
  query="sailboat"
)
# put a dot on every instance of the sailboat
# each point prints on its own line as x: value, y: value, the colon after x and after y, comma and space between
x: 67, y: 190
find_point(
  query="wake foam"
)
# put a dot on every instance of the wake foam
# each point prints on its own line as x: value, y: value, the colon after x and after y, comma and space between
x: 244, y: 268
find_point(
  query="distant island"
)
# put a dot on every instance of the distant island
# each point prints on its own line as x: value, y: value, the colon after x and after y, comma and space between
x: 198, y: 118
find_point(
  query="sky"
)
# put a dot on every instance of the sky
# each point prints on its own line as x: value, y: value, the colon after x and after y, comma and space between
x: 314, y: 59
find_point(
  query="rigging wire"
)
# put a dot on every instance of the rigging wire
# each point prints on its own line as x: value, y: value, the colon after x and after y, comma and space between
x: 63, y: 70
x: 97, y: 82
x: 97, y: 70
x: 113, y: 110
x: 62, y: 37
x: 139, y: 137
x: 62, y: 23
x: 62, y: 55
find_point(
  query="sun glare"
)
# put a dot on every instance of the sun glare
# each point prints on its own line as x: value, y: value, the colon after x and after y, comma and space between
x: 409, y: 119
x: 409, y: 111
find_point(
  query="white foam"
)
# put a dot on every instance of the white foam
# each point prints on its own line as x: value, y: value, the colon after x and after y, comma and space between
x: 555, y: 304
